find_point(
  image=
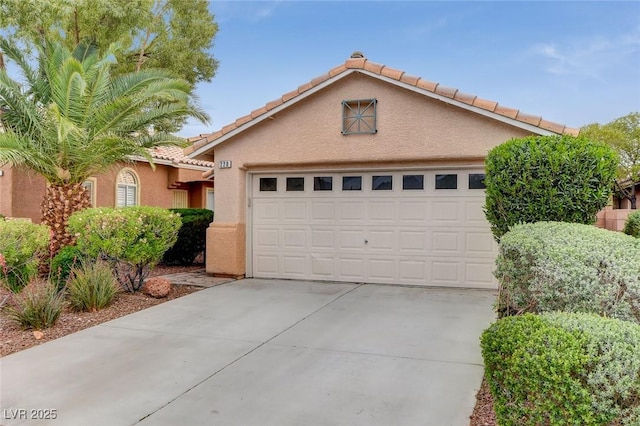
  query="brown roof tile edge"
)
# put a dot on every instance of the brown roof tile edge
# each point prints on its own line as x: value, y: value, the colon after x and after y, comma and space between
x: 394, y: 74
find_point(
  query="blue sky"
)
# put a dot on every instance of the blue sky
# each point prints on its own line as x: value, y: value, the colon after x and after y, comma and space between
x: 571, y: 62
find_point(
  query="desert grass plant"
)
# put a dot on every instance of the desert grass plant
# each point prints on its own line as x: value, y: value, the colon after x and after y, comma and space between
x: 37, y: 307
x: 91, y: 286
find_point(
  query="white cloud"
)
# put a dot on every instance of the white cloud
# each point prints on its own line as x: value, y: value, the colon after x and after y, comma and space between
x: 590, y: 57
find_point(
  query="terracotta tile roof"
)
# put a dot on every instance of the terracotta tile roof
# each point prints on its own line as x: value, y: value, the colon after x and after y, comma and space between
x: 177, y: 156
x: 361, y: 63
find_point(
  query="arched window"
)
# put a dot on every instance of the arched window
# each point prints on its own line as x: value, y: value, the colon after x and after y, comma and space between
x: 127, y: 189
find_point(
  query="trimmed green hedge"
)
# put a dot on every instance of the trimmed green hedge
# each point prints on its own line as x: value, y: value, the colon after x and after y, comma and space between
x: 550, y: 266
x: 191, y: 237
x: 563, y: 369
x: 553, y: 178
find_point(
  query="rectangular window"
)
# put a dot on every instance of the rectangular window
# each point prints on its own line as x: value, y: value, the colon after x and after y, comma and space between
x: 180, y: 199
x: 268, y: 184
x: 90, y: 185
x: 127, y: 196
x: 476, y: 181
x: 446, y: 181
x: 322, y: 183
x: 382, y: 183
x: 352, y: 183
x: 295, y: 184
x: 359, y: 117
x: 210, y: 199
x: 413, y: 182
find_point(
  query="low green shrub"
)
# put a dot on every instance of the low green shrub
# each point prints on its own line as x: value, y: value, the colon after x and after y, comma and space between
x: 91, y: 286
x: 62, y: 264
x: 37, y: 307
x: 21, y: 245
x: 632, y: 225
x: 547, y: 178
x: 554, y: 266
x: 563, y: 369
x: 130, y: 239
x: 191, y: 237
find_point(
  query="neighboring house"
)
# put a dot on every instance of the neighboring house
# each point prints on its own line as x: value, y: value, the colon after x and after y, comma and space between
x: 364, y: 174
x: 177, y: 181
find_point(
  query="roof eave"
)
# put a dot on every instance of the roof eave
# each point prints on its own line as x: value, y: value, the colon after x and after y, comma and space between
x: 205, y: 148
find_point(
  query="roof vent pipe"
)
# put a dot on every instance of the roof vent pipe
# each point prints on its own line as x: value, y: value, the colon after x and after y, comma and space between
x: 357, y: 54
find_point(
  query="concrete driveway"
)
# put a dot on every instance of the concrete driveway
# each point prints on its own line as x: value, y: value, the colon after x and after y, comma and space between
x: 263, y: 352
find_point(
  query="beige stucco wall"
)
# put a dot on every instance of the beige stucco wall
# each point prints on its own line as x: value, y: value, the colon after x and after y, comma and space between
x: 21, y: 191
x: 411, y: 128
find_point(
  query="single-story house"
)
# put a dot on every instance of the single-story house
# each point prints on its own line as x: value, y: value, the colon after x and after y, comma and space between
x: 363, y: 174
x: 176, y: 182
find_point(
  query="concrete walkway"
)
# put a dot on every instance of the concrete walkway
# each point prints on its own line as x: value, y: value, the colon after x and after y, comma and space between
x: 263, y: 352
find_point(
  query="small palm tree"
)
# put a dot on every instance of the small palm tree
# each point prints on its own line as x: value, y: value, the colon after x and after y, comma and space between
x: 71, y: 118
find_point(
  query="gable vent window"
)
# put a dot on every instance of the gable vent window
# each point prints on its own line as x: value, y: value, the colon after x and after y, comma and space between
x: 359, y: 117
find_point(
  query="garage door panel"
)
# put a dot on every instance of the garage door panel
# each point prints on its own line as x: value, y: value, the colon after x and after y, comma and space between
x: 479, y: 274
x: 267, y: 211
x: 352, y: 239
x: 294, y: 238
x: 413, y: 241
x: 322, y: 212
x: 322, y: 267
x: 445, y: 213
x: 295, y: 211
x: 412, y: 271
x: 445, y: 242
x: 381, y: 241
x: 267, y: 238
x: 418, y: 236
x: 478, y: 242
x: 445, y: 271
x: 381, y: 270
x: 381, y: 212
x: 267, y: 265
x: 351, y: 268
x: 352, y: 213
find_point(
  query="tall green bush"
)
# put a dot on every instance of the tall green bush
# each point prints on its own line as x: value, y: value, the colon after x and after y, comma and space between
x: 632, y: 225
x: 556, y: 266
x: 547, y: 178
x: 21, y: 245
x: 62, y: 264
x: 191, y: 238
x: 131, y: 239
x: 563, y: 369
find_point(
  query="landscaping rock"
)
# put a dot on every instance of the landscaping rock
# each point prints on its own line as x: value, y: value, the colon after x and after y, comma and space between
x: 157, y: 287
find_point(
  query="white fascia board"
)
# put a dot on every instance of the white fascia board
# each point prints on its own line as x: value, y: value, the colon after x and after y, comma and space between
x: 270, y: 113
x: 165, y: 162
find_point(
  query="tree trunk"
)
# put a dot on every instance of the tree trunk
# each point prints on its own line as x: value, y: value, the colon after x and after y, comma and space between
x: 60, y: 202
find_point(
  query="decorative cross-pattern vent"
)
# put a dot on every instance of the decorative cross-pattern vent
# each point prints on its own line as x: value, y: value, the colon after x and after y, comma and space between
x: 359, y: 117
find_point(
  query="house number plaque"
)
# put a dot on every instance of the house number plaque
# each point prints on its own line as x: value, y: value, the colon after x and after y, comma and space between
x: 224, y: 164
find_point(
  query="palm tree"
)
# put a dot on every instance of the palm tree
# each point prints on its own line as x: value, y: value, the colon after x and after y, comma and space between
x: 71, y: 118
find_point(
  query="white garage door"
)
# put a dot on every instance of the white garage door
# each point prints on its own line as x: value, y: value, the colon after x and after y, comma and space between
x: 421, y: 227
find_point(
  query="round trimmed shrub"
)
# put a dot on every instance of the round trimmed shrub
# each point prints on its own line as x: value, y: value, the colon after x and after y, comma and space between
x: 547, y: 178
x: 562, y: 368
x: 632, y: 225
x: 21, y: 245
x: 130, y: 239
x: 191, y: 237
x: 556, y: 266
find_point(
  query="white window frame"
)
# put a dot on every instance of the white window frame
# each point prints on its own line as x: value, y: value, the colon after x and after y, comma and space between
x: 91, y: 185
x: 127, y: 188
